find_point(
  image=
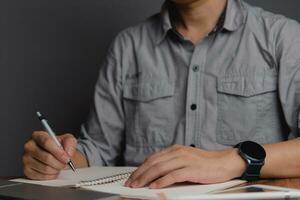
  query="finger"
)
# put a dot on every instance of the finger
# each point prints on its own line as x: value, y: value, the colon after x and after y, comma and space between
x: 159, y: 154
x: 159, y: 170
x: 168, y: 154
x: 69, y: 143
x: 47, y: 143
x: 38, y: 153
x: 34, y: 175
x: 39, y: 166
x: 177, y: 176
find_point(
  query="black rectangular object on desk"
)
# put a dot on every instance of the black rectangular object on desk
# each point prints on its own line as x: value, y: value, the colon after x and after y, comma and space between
x: 13, y: 190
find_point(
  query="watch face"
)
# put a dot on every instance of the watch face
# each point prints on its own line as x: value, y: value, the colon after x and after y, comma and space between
x: 253, y: 150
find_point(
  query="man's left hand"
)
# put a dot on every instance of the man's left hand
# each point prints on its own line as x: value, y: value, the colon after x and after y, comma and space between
x: 187, y: 164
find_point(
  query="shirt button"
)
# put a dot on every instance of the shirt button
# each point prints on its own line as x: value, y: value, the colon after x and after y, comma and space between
x: 196, y: 68
x: 193, y: 107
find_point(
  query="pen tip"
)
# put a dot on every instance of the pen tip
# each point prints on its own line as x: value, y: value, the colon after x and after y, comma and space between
x: 72, y: 165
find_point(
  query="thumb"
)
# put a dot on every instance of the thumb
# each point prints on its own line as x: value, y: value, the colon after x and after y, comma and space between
x: 69, y: 143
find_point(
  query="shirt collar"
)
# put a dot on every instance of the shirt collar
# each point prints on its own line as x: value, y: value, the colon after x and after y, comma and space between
x: 235, y: 15
x: 166, y: 24
x: 234, y: 18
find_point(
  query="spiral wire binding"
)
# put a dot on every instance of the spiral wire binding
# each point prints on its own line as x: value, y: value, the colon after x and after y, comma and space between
x: 105, y: 180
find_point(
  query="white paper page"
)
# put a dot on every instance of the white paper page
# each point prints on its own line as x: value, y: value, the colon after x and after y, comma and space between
x: 173, y: 191
x: 68, y: 177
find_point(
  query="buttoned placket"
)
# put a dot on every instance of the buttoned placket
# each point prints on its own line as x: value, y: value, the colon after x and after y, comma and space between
x: 194, y: 92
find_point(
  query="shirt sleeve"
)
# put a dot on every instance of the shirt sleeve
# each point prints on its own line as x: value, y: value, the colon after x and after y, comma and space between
x: 288, y: 59
x: 102, y: 137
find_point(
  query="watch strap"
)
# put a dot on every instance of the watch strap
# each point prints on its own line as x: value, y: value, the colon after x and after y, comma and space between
x: 252, y: 171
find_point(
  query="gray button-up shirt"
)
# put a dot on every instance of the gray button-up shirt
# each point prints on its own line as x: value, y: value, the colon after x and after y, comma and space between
x: 156, y: 88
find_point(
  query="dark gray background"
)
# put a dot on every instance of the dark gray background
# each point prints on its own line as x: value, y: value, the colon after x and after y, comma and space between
x: 50, y: 52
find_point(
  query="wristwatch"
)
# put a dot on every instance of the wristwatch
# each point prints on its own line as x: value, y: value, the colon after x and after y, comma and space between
x: 254, y: 155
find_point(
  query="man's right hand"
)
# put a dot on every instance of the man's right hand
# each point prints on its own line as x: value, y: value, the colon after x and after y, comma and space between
x: 43, y: 159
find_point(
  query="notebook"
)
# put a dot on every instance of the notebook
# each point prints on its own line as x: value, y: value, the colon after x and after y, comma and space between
x: 112, y: 179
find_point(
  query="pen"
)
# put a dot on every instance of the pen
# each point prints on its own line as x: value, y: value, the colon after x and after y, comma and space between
x: 53, y: 136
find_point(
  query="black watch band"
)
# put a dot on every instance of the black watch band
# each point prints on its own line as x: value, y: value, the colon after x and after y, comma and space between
x: 254, y: 156
x: 252, y: 172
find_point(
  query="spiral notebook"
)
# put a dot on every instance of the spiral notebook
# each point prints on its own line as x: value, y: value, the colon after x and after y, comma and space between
x: 112, y: 179
x: 69, y: 178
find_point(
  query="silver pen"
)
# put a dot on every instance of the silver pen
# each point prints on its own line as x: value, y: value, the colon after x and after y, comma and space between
x: 53, y: 136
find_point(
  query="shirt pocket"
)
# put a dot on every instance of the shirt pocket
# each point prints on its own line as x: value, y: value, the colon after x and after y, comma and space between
x: 242, y: 102
x: 149, y: 112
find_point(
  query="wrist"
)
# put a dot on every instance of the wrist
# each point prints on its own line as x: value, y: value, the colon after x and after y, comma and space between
x: 80, y: 160
x: 236, y: 164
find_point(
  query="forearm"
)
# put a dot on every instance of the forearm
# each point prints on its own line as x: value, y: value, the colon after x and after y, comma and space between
x: 282, y: 160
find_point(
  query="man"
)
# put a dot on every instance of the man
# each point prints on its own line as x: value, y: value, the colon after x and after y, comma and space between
x: 205, y: 75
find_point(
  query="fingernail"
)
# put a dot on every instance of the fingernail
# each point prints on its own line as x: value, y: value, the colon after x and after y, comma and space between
x: 127, y: 183
x: 153, y: 186
x: 135, y: 184
x: 70, y: 151
x: 65, y: 158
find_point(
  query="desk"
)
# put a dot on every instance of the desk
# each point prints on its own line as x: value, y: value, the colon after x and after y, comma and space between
x: 291, y: 183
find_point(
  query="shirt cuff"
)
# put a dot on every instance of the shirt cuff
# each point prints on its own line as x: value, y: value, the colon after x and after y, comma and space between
x: 90, y: 151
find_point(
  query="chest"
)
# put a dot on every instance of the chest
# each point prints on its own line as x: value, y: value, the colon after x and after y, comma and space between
x: 224, y: 88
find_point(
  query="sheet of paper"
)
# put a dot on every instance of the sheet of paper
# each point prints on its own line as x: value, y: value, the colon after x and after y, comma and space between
x: 183, y: 190
x: 68, y: 177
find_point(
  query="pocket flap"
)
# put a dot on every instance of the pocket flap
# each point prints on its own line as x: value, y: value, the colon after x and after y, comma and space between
x: 148, y: 91
x: 246, y: 86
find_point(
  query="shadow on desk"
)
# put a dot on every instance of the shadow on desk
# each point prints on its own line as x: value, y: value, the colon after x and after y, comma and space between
x: 14, y: 190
